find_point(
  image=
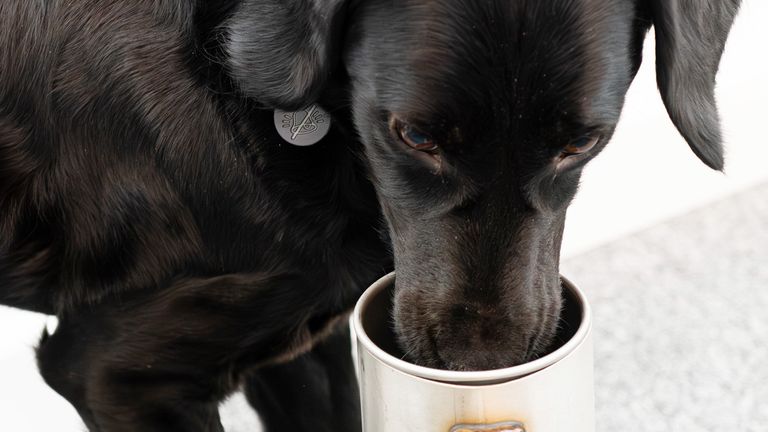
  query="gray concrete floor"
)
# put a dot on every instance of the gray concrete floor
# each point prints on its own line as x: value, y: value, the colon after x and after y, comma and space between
x: 681, y: 321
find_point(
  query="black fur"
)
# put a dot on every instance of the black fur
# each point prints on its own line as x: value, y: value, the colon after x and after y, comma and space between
x: 147, y: 201
x: 691, y: 37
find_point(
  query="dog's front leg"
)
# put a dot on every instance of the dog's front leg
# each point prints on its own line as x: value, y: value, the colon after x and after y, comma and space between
x: 316, y: 392
x: 162, y: 361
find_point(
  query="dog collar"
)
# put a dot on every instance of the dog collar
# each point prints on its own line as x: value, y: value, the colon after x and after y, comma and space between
x: 303, y: 127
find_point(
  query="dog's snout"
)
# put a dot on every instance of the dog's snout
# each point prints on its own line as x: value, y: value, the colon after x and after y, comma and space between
x: 467, y: 331
x: 481, y: 338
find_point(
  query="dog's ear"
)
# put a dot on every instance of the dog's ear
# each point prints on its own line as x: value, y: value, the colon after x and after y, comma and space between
x: 281, y: 52
x: 690, y: 37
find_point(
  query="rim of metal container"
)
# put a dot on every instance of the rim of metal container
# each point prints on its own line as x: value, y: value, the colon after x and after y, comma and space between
x: 469, y: 377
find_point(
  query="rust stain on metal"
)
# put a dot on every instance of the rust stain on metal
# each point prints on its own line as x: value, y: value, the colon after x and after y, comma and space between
x: 508, y: 426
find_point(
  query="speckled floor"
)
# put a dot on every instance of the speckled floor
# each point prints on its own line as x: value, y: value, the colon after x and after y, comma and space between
x: 681, y: 321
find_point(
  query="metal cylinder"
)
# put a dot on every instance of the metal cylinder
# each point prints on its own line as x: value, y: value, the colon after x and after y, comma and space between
x: 553, y: 393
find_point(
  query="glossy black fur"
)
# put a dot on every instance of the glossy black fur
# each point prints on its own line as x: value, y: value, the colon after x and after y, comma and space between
x: 147, y: 201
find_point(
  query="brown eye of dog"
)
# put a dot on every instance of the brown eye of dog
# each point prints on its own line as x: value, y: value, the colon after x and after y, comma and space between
x: 416, y: 139
x: 581, y: 145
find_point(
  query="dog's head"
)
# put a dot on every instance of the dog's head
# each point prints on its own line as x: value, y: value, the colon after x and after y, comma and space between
x: 477, y: 118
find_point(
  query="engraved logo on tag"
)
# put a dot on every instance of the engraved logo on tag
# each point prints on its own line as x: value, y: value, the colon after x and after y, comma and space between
x: 509, y: 426
x: 303, y: 127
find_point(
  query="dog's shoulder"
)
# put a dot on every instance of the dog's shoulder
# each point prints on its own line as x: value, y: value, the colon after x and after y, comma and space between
x: 126, y: 157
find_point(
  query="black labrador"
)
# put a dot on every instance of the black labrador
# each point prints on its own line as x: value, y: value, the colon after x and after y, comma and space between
x: 148, y: 200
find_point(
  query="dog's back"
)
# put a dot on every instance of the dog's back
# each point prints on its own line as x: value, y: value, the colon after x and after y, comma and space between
x: 87, y: 149
x: 119, y: 166
x: 127, y: 158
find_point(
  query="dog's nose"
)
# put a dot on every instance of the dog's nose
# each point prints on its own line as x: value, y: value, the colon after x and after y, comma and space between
x: 481, y: 341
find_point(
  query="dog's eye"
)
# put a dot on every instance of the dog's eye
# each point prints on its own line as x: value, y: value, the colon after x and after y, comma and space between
x: 416, y: 139
x: 581, y: 145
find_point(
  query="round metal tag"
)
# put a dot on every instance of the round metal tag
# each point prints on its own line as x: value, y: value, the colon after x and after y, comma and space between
x: 303, y: 127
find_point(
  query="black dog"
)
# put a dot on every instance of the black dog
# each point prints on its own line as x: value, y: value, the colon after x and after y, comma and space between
x: 147, y: 200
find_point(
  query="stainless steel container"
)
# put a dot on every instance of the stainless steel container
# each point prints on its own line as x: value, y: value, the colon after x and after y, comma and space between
x: 551, y: 394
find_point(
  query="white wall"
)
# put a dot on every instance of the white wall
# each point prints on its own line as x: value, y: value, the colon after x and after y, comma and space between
x: 648, y: 173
